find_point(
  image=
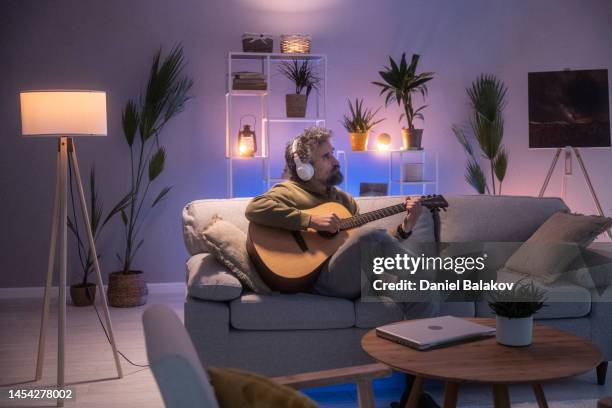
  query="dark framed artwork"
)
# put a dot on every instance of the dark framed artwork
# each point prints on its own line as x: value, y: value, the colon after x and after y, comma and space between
x: 569, y: 108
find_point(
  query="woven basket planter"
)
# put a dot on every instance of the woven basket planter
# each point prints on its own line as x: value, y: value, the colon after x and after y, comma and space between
x: 296, y: 105
x: 127, y: 289
x: 83, y: 295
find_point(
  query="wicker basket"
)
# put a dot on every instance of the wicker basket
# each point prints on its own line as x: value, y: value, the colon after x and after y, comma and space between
x: 295, y: 44
x: 253, y: 42
x: 127, y: 289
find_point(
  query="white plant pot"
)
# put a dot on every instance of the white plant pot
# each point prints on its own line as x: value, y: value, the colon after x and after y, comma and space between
x: 514, y: 332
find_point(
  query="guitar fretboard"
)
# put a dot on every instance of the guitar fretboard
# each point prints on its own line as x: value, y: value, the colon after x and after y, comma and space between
x: 361, y: 219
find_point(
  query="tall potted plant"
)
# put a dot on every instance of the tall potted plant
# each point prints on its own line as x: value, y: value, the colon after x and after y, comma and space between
x: 359, y: 123
x: 487, y: 100
x: 83, y: 293
x: 401, y: 81
x: 305, y: 79
x: 514, y: 310
x: 165, y: 97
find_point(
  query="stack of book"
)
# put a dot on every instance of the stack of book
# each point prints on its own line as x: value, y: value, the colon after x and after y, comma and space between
x: 249, y: 81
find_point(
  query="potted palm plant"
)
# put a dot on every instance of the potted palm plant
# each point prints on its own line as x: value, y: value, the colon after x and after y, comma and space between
x: 165, y: 96
x: 84, y: 292
x: 514, y: 310
x: 400, y: 83
x: 305, y: 79
x: 487, y: 100
x: 359, y: 123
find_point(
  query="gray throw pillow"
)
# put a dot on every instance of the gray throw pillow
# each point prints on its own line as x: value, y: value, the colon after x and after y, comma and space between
x: 207, y: 279
x: 592, y: 269
x: 547, y: 254
x: 228, y: 244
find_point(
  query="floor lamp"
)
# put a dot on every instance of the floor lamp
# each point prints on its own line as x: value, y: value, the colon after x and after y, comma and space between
x: 64, y: 114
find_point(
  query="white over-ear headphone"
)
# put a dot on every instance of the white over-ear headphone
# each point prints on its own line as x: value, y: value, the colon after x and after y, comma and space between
x: 305, y: 171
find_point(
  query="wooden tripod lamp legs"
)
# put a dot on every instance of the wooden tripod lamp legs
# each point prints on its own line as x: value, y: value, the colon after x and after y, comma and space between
x: 66, y: 151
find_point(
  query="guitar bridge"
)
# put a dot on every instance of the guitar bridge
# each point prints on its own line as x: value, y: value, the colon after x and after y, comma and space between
x: 299, y: 239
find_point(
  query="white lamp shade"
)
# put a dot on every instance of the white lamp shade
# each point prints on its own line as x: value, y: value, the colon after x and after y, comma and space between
x: 63, y: 113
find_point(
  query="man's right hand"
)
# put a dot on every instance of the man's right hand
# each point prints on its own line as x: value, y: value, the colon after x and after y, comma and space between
x: 329, y: 223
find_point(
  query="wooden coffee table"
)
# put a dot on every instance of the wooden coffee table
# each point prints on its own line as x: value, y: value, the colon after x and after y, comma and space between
x: 554, y: 354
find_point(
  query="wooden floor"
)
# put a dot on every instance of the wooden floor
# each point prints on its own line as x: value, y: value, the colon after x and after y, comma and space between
x: 90, y: 367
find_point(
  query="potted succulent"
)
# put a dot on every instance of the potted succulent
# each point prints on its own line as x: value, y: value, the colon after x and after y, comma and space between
x: 359, y: 123
x: 165, y: 97
x: 400, y: 82
x: 305, y: 79
x: 84, y: 292
x: 514, y: 310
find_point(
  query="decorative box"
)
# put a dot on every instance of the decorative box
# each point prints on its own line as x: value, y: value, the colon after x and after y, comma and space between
x: 255, y: 42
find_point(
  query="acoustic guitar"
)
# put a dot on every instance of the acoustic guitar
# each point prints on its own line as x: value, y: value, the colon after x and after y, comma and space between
x: 289, y: 261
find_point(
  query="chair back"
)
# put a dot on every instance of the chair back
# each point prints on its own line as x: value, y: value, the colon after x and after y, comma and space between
x: 181, y: 379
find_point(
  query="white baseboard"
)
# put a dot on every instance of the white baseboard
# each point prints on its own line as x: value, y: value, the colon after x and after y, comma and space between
x: 38, y: 291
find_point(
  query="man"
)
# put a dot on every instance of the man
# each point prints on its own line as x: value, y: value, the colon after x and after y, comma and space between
x: 313, y: 173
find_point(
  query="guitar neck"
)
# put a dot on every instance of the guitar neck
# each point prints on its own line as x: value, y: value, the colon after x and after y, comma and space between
x: 361, y: 219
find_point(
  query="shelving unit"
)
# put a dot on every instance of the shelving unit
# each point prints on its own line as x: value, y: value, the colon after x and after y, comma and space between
x: 267, y: 122
x: 428, y: 159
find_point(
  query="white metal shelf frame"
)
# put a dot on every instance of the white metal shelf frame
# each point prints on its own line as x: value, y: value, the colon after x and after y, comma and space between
x: 266, y: 61
x: 403, y: 154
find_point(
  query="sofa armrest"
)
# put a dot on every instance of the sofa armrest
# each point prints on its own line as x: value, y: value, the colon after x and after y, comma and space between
x: 207, y: 279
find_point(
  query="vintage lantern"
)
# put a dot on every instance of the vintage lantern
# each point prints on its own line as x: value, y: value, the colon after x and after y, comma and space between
x: 247, y: 143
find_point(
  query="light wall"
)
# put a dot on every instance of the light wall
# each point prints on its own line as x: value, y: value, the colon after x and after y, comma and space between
x: 108, y: 45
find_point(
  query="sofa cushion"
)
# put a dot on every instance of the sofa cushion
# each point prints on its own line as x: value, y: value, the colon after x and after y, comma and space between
x: 563, y: 299
x: 228, y: 244
x: 291, y: 312
x: 207, y: 279
x: 556, y: 244
x: 198, y: 214
x: 482, y: 218
x: 376, y: 312
x: 592, y: 269
x: 423, y: 231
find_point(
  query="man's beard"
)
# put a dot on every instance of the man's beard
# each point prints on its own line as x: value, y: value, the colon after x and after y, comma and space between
x: 335, y: 177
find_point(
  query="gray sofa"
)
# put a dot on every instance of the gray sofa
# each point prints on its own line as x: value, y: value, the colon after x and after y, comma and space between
x: 282, y: 334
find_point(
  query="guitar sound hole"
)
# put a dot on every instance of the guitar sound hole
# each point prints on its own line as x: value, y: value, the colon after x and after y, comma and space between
x: 327, y: 234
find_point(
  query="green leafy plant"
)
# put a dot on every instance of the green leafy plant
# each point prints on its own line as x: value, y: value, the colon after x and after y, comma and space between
x: 487, y: 99
x: 523, y: 300
x: 96, y: 220
x: 165, y: 96
x: 302, y: 74
x: 400, y: 82
x: 361, y: 119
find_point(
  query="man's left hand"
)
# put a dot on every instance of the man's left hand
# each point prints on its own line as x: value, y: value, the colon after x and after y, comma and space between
x: 413, y: 209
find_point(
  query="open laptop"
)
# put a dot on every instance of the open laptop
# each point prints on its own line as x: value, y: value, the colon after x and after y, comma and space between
x: 424, y: 334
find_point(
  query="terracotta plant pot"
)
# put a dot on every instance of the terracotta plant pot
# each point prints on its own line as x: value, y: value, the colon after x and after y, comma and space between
x: 359, y: 141
x: 127, y: 289
x: 296, y: 105
x: 83, y: 294
x: 411, y: 138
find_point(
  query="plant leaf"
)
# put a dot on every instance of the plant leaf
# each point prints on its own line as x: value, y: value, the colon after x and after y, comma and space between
x: 156, y: 164
x: 129, y: 121
x: 475, y: 177
x: 160, y: 196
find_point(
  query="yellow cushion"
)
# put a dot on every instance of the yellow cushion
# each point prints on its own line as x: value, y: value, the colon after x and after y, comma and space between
x: 240, y: 389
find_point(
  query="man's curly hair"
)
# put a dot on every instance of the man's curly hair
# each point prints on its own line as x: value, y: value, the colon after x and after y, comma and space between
x: 308, y: 141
